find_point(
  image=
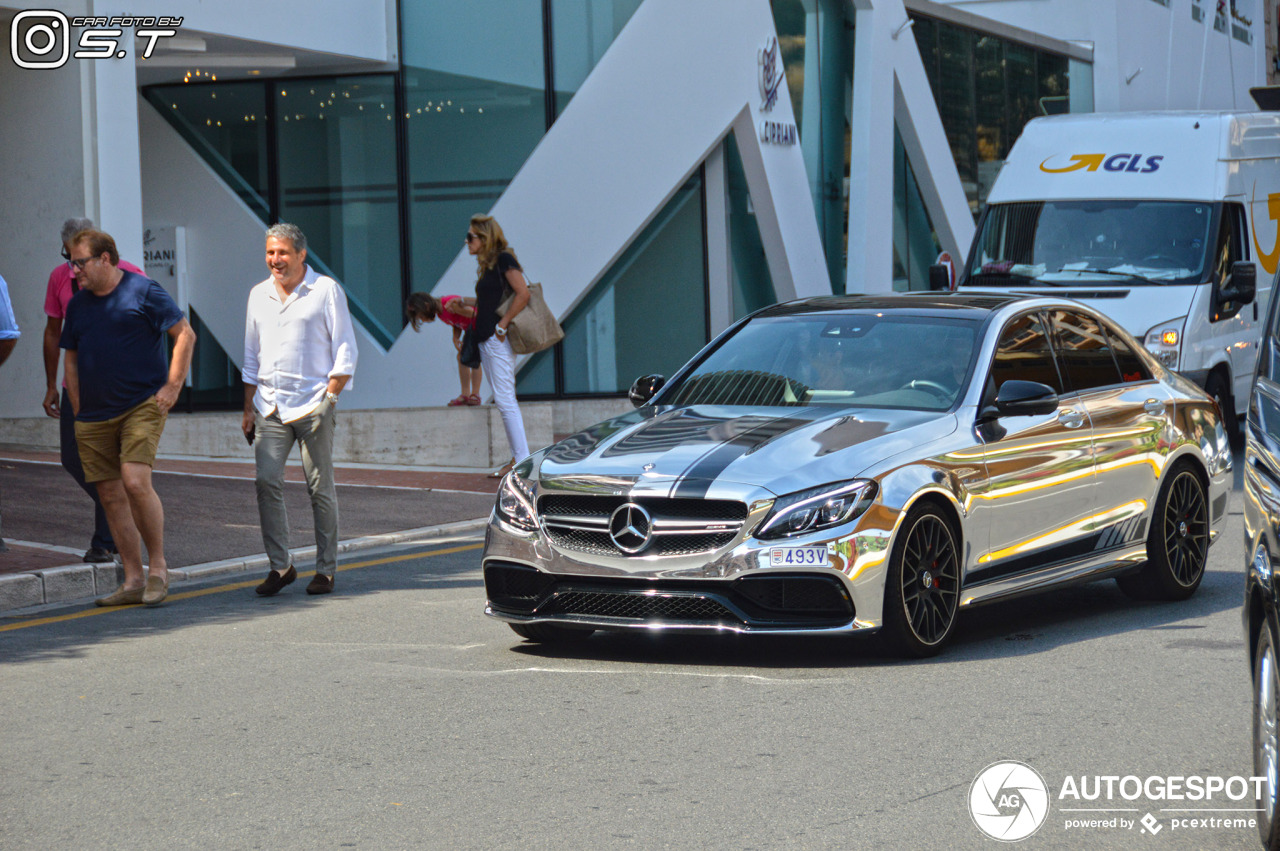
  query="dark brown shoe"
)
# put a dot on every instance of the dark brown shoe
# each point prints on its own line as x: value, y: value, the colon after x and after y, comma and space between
x: 275, y: 581
x: 320, y: 584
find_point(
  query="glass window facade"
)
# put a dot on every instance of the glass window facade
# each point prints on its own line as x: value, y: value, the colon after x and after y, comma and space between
x: 816, y: 43
x: 649, y: 312
x: 752, y: 285
x: 581, y: 31
x: 474, y: 109
x: 383, y: 170
x: 987, y: 88
x: 338, y: 182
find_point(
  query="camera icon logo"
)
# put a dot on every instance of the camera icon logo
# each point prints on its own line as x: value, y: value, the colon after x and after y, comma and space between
x: 40, y: 38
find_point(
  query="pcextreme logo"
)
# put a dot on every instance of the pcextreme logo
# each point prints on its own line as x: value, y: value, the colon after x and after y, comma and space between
x: 1269, y: 260
x: 1138, y: 163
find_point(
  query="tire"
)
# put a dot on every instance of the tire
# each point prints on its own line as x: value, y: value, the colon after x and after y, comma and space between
x: 1266, y: 730
x: 549, y: 633
x: 1218, y: 388
x: 1177, y: 542
x: 922, y: 591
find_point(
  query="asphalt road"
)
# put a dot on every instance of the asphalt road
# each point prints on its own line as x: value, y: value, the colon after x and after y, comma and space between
x: 394, y: 715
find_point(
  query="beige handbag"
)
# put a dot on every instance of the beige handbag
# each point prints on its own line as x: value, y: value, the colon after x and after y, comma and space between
x: 533, y: 329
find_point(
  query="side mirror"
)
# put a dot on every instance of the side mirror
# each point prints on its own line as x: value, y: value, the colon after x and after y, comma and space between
x: 644, y: 388
x: 1244, y: 283
x: 1024, y: 399
x: 939, y: 278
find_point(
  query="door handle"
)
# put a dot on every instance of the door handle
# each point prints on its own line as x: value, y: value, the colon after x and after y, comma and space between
x: 1071, y: 419
x: 1153, y: 406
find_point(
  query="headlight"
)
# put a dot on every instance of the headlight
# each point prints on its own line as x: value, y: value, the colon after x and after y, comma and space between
x: 1262, y: 564
x: 817, y: 508
x: 515, y: 502
x: 1165, y: 342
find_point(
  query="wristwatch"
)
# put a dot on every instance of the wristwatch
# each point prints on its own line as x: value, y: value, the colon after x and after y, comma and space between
x: 500, y: 331
x: 332, y: 397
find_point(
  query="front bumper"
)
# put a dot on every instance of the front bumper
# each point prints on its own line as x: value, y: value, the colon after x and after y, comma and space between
x: 527, y: 580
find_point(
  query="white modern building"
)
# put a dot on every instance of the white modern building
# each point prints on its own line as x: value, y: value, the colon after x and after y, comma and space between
x: 662, y: 166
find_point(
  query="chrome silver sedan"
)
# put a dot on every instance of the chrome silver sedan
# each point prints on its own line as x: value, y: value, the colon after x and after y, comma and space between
x: 862, y: 464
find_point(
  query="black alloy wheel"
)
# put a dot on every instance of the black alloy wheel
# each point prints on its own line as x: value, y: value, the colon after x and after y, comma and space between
x: 1178, y: 542
x: 923, y: 592
x: 1266, y: 736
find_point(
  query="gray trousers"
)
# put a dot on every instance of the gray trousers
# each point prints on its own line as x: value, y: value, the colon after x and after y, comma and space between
x: 273, y: 443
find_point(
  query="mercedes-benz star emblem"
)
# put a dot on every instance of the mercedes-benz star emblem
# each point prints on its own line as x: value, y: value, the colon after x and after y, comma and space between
x: 630, y: 528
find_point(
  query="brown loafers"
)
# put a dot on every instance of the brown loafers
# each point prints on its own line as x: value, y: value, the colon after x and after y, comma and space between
x: 275, y: 581
x: 320, y: 584
x: 156, y: 590
x: 121, y: 597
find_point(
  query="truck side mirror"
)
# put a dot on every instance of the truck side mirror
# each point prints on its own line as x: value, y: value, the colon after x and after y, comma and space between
x: 644, y: 388
x: 939, y: 278
x: 1244, y: 283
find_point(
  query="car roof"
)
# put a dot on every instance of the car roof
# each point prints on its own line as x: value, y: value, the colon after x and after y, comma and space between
x: 967, y: 305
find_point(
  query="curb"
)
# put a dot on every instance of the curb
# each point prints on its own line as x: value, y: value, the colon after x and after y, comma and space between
x: 80, y: 583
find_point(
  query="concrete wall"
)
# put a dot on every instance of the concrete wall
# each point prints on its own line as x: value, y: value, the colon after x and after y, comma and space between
x: 430, y: 437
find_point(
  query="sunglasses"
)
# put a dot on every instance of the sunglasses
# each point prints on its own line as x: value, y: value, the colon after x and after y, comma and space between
x: 80, y: 263
x: 471, y: 237
x: 66, y: 255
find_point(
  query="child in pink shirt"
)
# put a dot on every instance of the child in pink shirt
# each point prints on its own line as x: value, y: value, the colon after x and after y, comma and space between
x: 454, y: 311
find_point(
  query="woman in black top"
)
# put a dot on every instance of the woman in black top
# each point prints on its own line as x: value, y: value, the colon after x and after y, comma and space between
x: 497, y: 270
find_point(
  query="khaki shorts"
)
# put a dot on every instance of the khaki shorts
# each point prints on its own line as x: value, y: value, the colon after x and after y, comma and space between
x: 131, y: 437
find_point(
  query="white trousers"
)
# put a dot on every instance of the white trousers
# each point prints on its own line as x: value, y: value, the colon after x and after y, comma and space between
x: 500, y: 366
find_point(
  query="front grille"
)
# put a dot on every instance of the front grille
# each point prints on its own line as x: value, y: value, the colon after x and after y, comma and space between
x: 644, y: 607
x: 681, y: 527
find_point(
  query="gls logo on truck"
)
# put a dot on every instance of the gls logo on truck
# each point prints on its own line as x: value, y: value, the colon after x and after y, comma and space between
x: 1114, y: 162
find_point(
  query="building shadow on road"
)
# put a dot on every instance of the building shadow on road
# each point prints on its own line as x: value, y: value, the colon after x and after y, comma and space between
x: 69, y: 632
x: 1028, y: 625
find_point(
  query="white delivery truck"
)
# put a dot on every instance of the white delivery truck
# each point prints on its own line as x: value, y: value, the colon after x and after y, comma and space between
x: 1166, y: 221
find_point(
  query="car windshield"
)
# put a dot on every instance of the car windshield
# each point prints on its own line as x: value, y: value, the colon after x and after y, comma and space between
x: 876, y: 360
x: 1104, y: 242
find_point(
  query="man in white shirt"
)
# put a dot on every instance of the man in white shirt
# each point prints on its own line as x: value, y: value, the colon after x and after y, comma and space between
x: 299, y: 354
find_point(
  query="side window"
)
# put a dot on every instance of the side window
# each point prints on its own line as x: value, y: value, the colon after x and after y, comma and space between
x: 1083, y: 351
x: 1132, y: 369
x: 1024, y: 353
x: 1231, y: 248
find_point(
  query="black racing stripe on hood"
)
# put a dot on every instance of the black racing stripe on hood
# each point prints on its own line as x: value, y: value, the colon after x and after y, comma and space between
x: 696, y: 481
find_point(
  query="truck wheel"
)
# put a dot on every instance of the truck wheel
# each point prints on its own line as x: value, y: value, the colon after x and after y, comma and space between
x: 1217, y: 387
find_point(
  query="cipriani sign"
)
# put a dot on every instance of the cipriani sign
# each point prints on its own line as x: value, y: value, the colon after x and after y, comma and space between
x: 769, y: 57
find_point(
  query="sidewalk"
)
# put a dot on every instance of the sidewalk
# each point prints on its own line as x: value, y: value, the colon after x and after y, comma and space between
x: 211, y: 519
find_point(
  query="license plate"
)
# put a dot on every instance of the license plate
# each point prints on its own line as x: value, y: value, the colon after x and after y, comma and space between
x: 798, y: 557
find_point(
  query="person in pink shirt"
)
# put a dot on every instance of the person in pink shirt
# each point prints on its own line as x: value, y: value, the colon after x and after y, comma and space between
x: 460, y: 315
x: 61, y: 287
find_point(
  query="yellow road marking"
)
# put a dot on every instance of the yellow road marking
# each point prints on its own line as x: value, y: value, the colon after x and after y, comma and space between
x: 237, y: 586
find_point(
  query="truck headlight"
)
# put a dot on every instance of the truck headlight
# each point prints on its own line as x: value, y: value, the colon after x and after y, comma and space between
x: 817, y: 508
x: 1165, y: 342
x: 515, y: 502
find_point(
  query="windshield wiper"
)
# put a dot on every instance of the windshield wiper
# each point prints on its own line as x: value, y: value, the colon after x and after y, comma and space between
x: 1131, y: 275
x: 1001, y: 274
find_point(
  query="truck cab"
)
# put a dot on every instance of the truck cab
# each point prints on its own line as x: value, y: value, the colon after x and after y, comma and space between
x: 1167, y: 222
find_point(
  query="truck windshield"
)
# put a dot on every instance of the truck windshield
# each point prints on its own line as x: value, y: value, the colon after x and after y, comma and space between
x: 1063, y: 243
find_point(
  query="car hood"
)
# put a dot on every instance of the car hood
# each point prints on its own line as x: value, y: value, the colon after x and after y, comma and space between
x: 682, y: 452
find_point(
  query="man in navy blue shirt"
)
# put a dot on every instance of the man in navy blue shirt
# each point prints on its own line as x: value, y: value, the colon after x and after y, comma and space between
x: 121, y: 392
